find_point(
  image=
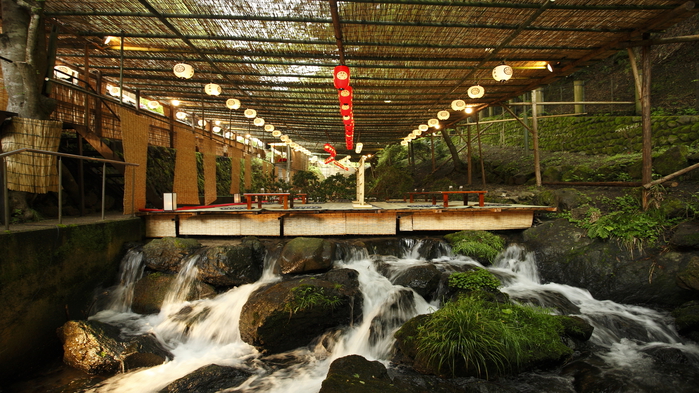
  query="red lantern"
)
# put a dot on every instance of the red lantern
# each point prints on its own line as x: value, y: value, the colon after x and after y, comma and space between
x: 345, y: 109
x: 341, y: 77
x: 349, y: 142
x: 330, y: 150
x: 345, y: 96
x: 347, y: 120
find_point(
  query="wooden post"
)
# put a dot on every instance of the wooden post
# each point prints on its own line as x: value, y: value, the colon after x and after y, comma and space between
x: 171, y: 117
x: 468, y: 154
x: 98, y: 104
x: 86, y: 119
x: 535, y: 139
x: 637, y: 80
x: 647, y: 165
x: 579, y: 96
x: 480, y: 151
x: 81, y: 176
x: 433, y: 160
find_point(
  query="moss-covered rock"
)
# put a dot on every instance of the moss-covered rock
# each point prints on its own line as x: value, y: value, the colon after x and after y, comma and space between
x: 305, y: 255
x: 232, y: 265
x: 208, y: 379
x: 168, y: 254
x: 672, y: 160
x: 687, y: 319
x: 686, y: 235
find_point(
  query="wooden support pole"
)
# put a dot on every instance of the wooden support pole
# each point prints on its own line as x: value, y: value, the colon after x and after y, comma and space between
x: 98, y: 104
x: 433, y: 160
x: 671, y: 176
x: 647, y: 165
x: 579, y: 95
x: 468, y: 154
x: 535, y: 138
x: 636, y: 78
x: 480, y: 152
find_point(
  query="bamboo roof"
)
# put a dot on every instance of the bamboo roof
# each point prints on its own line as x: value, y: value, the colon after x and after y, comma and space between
x: 409, y: 59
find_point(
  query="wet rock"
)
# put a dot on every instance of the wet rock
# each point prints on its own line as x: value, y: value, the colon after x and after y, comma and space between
x: 576, y: 328
x: 423, y: 279
x: 399, y: 305
x: 688, y: 277
x: 305, y: 255
x: 355, y: 374
x: 168, y: 254
x: 686, y: 235
x: 97, y: 348
x: 208, y: 379
x: 232, y: 265
x: 672, y: 160
x: 152, y: 289
x: 687, y: 319
x: 566, y: 199
x: 290, y: 314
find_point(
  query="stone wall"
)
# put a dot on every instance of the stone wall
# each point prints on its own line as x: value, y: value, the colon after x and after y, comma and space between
x: 48, y: 277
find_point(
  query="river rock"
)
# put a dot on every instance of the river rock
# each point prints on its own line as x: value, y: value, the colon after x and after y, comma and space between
x: 97, y: 348
x: 290, y: 314
x: 152, y: 289
x: 208, y: 379
x: 305, y: 255
x: 566, y: 255
x: 687, y: 319
x: 232, y: 265
x: 686, y: 235
x: 355, y: 374
x: 168, y: 254
x: 423, y: 279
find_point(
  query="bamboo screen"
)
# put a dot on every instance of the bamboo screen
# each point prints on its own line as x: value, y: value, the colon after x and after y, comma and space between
x: 134, y: 131
x: 3, y: 93
x: 32, y: 172
x: 185, y: 183
x: 209, y: 171
x: 235, y: 155
x: 248, y: 171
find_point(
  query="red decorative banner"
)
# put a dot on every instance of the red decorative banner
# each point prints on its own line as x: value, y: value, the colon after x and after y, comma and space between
x: 329, y: 160
x: 340, y: 165
x: 330, y: 150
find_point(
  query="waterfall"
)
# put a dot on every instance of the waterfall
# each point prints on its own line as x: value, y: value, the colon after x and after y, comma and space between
x: 207, y: 331
x: 130, y: 271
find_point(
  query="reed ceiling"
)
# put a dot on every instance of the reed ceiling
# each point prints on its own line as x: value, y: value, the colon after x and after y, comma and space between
x: 408, y: 58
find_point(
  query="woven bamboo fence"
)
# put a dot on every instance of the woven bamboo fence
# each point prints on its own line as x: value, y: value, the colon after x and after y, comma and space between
x: 235, y: 170
x: 134, y: 131
x: 209, y: 171
x: 3, y: 93
x: 185, y: 183
x: 32, y: 172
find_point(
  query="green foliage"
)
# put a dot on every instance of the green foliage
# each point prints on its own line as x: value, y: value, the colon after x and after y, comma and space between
x: 393, y: 156
x: 474, y: 337
x: 479, y: 245
x: 305, y: 181
x: 336, y: 187
x: 307, y: 296
x: 391, y: 182
x: 479, y: 279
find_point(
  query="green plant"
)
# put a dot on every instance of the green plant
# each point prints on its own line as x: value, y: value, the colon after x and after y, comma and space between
x: 479, y: 279
x: 476, y: 244
x: 306, y: 296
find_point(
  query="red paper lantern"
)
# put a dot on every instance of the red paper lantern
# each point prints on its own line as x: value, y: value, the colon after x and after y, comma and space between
x: 330, y: 150
x: 347, y: 120
x: 345, y: 96
x: 341, y: 77
x: 349, y: 142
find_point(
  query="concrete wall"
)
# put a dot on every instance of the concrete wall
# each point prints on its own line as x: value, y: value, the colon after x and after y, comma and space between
x: 48, y: 277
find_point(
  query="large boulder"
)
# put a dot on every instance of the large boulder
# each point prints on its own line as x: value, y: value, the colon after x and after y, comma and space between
x: 290, y: 314
x: 168, y: 254
x: 355, y: 374
x: 686, y: 235
x: 232, y: 265
x: 608, y: 270
x: 97, y: 348
x: 423, y: 279
x: 306, y: 255
x: 208, y: 379
x: 152, y: 289
x: 671, y: 161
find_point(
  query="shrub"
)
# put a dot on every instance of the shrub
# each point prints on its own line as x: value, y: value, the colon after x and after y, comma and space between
x: 479, y: 245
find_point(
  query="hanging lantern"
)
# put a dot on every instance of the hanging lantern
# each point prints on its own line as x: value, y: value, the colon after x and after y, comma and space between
x: 443, y: 115
x: 330, y: 149
x: 423, y: 127
x: 212, y: 89
x: 359, y: 147
x: 502, y: 73
x: 250, y: 113
x: 468, y: 110
x: 417, y: 132
x: 347, y: 120
x: 458, y: 105
x: 153, y: 104
x: 404, y: 143
x: 114, y: 90
x: 259, y: 121
x: 476, y: 91
x: 269, y: 127
x: 201, y: 123
x: 433, y: 122
x: 232, y: 103
x: 346, y: 95
x: 276, y: 133
x: 181, y: 115
x: 341, y: 77
x: 183, y: 70
x: 284, y: 138
x: 216, y: 129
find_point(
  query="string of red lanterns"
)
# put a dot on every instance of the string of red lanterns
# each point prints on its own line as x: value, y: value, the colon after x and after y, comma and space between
x: 341, y: 80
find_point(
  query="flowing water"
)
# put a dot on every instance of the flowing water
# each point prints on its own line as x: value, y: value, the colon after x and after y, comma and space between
x: 206, y: 331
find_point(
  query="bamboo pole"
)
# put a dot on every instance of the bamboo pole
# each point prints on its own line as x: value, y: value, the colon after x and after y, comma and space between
x: 535, y: 139
x: 468, y: 154
x: 671, y: 176
x: 646, y: 173
x: 480, y: 152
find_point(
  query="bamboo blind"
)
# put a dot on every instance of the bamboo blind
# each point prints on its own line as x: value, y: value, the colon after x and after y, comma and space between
x: 32, y: 172
x: 248, y: 171
x: 235, y: 170
x: 3, y: 93
x: 209, y: 171
x: 185, y: 183
x: 134, y: 131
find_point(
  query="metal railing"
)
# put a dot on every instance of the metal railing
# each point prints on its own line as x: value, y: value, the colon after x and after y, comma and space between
x: 104, y: 162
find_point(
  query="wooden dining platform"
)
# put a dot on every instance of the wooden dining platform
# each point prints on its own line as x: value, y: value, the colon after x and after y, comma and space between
x: 273, y: 218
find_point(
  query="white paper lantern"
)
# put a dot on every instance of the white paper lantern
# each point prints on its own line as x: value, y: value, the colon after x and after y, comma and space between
x: 269, y: 127
x: 502, y: 73
x: 423, y: 127
x: 212, y: 89
x: 458, y: 105
x: 443, y: 115
x: 183, y: 70
x: 476, y: 91
x: 284, y: 138
x: 250, y: 113
x: 259, y: 121
x: 181, y: 115
x: 404, y: 143
x: 201, y: 123
x: 358, y: 148
x: 417, y: 133
x: 216, y: 129
x: 114, y: 90
x: 232, y: 103
x: 175, y: 102
x: 65, y: 73
x: 433, y: 122
x: 276, y: 133
x: 153, y: 104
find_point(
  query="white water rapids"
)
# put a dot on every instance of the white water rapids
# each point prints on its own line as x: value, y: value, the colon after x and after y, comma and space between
x: 213, y: 336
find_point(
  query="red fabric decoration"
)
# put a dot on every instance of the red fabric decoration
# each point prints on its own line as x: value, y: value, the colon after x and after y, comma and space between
x: 341, y: 77
x: 329, y: 160
x: 340, y: 165
x: 330, y: 150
